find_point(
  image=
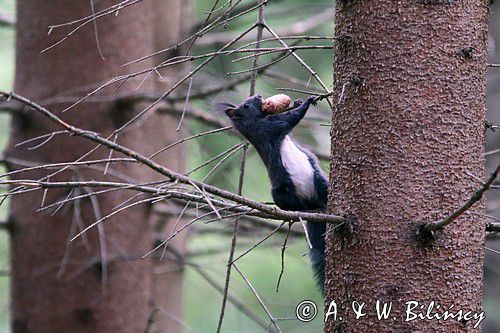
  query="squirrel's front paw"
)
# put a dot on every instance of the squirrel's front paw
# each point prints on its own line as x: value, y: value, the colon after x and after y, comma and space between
x: 298, y: 102
x: 312, y: 100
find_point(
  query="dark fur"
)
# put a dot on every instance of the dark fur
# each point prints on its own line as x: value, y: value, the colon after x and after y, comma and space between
x: 265, y: 133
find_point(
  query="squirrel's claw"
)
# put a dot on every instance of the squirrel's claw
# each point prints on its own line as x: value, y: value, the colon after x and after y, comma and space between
x: 298, y: 102
x: 313, y: 100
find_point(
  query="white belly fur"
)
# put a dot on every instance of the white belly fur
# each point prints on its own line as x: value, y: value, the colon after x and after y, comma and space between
x: 298, y: 167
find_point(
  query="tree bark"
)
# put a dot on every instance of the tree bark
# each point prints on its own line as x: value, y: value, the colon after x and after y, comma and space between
x: 407, y: 131
x: 96, y: 283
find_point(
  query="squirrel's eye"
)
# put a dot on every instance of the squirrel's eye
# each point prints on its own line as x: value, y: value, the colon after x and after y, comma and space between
x: 246, y: 105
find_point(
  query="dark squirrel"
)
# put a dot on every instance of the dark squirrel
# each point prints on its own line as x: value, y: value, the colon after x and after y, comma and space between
x: 297, y: 181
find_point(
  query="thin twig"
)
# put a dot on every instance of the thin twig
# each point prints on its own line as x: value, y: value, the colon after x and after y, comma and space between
x: 493, y: 227
x: 217, y: 22
x: 261, y: 302
x: 207, y: 19
x: 88, y: 19
x: 96, y: 34
x: 194, y: 136
x: 241, y: 306
x: 283, y: 248
x: 259, y: 24
x: 308, y: 24
x: 254, y: 246
x: 216, y: 157
x: 302, y: 62
x: 433, y: 226
x: 185, y: 105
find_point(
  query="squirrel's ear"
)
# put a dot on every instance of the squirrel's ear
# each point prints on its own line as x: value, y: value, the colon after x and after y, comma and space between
x: 228, y: 108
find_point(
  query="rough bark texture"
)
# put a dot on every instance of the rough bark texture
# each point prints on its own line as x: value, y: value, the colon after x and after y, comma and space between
x: 68, y: 287
x: 407, y: 131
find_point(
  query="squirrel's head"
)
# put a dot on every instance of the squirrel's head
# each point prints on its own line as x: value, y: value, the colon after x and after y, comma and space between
x: 247, y: 111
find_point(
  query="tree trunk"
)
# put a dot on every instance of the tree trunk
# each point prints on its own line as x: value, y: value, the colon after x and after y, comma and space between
x: 96, y: 283
x: 407, y: 133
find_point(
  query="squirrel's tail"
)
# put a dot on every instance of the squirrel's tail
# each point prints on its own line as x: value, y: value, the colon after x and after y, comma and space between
x: 316, y: 232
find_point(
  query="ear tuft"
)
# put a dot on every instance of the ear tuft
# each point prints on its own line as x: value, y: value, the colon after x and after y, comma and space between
x: 228, y: 108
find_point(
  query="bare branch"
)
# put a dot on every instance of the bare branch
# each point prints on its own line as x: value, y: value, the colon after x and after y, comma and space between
x: 259, y: 24
x: 261, y: 302
x: 283, y: 248
x: 433, y: 226
x: 287, y: 32
x: 493, y: 227
x: 302, y: 62
x: 241, y: 306
x: 82, y: 22
x: 217, y: 22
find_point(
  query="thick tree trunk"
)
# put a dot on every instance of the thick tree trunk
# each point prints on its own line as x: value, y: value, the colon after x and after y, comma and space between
x: 407, y: 133
x: 76, y: 287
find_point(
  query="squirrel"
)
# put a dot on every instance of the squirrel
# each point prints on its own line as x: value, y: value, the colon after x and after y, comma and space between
x: 297, y: 180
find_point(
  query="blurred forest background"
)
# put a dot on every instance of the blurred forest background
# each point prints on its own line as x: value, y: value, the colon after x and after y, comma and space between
x: 209, y: 250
